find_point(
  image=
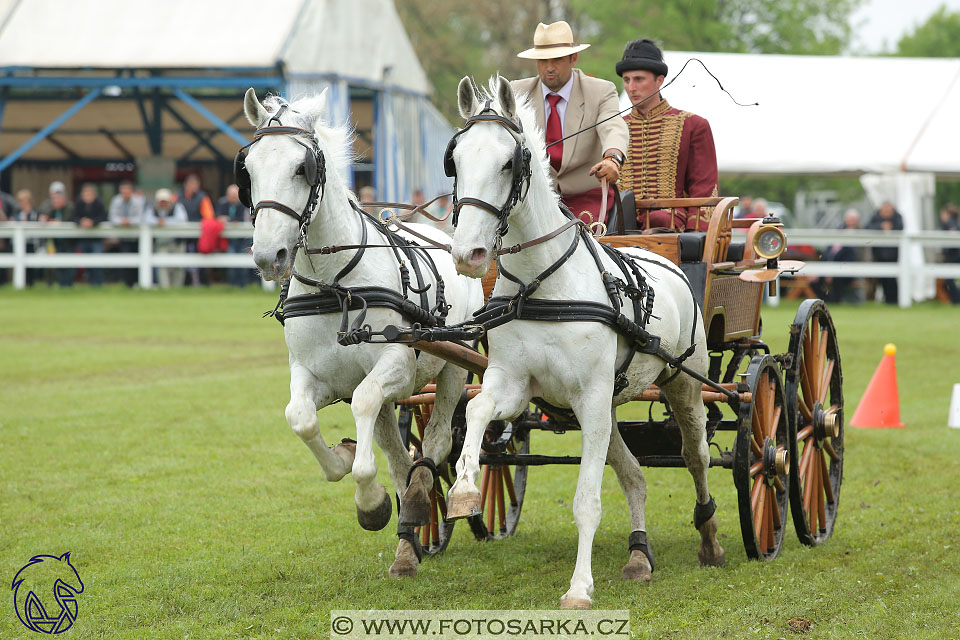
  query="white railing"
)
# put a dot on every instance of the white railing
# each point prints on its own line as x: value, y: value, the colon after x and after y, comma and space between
x: 913, y: 272
x: 144, y: 260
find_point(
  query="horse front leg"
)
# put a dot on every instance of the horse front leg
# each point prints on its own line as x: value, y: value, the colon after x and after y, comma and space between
x: 639, y: 567
x: 686, y: 399
x: 392, y: 373
x: 592, y: 409
x: 500, y: 397
x: 308, y: 394
x: 415, y: 506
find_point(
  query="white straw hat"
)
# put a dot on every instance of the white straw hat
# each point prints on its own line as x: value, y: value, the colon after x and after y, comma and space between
x: 552, y: 41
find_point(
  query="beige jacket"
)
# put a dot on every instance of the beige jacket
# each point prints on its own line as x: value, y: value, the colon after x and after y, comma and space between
x: 591, y: 100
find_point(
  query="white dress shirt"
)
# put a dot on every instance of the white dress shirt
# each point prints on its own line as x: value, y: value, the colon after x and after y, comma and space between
x: 564, y: 94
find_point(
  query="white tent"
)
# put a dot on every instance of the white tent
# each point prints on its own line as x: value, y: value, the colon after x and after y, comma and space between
x: 823, y: 114
x: 292, y: 46
x: 891, y: 121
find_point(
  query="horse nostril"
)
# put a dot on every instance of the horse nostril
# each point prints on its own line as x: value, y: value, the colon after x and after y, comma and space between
x: 282, y: 257
x: 478, y: 256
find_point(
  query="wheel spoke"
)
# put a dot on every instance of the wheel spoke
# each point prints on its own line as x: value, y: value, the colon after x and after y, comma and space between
x: 758, y: 512
x: 805, y: 459
x: 768, y: 402
x: 484, y: 483
x: 508, y: 479
x: 755, y: 495
x: 805, y: 410
x: 825, y: 381
x: 828, y: 447
x: 758, y: 438
x: 768, y: 520
x: 756, y: 468
x: 775, y: 422
x: 434, y: 520
x: 805, y: 433
x: 501, y: 507
x: 825, y: 474
x: 813, y: 487
x: 775, y: 510
x: 491, y: 496
x: 821, y: 504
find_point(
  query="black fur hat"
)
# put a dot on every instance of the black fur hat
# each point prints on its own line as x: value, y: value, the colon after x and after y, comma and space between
x: 643, y: 55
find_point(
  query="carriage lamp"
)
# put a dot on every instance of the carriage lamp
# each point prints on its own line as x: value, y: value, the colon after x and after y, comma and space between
x: 769, y: 243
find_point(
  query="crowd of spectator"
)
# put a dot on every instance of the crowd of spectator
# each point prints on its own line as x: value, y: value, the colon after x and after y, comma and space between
x: 130, y: 207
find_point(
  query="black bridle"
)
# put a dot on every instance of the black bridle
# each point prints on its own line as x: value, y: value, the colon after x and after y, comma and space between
x: 315, y: 172
x: 521, y: 168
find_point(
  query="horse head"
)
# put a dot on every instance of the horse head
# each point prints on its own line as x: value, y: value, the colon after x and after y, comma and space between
x: 283, y: 175
x: 491, y: 162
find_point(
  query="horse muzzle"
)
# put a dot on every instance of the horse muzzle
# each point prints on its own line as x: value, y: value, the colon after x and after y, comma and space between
x: 473, y: 262
x: 274, y: 264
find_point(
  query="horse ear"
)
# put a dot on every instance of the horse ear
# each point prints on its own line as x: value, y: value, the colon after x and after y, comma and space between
x: 508, y: 102
x: 467, y: 97
x: 253, y: 109
x: 314, y: 108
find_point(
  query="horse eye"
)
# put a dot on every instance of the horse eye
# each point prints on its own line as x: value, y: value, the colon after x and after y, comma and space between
x: 300, y: 170
x: 509, y: 165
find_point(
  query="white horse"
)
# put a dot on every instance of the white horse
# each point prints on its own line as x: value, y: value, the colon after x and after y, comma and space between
x: 568, y: 364
x: 283, y: 173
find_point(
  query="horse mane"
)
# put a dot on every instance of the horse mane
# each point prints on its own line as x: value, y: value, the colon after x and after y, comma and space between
x: 336, y: 141
x: 527, y: 116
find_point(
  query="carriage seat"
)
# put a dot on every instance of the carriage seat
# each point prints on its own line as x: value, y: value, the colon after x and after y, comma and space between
x: 691, y: 245
x: 735, y: 251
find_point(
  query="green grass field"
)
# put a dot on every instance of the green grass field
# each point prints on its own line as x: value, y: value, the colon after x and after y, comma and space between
x: 144, y: 433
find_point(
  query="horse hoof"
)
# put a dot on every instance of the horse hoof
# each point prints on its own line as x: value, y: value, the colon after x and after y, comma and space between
x: 378, y: 518
x: 713, y: 556
x: 415, y: 505
x: 463, y: 506
x: 405, y: 564
x: 637, y: 568
x: 570, y: 602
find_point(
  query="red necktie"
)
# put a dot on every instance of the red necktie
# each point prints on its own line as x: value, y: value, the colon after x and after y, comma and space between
x: 554, y: 132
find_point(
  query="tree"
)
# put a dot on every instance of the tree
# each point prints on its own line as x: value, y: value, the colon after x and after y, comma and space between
x: 938, y: 37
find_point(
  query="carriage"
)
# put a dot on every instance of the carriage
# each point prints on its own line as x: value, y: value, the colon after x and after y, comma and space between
x: 786, y: 409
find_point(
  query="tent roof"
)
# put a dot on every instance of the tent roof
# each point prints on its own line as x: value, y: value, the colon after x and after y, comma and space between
x: 362, y: 40
x: 824, y: 114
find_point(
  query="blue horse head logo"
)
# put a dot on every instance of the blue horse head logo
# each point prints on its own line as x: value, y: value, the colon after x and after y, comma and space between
x: 45, y: 593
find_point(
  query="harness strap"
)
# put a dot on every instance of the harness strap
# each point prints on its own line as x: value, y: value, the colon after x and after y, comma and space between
x: 413, y: 209
x: 517, y: 248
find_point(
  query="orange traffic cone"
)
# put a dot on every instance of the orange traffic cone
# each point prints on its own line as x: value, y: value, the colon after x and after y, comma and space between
x: 879, y: 407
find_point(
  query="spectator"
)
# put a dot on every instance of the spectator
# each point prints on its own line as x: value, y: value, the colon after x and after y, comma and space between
x: 90, y: 212
x: 232, y: 212
x: 839, y: 289
x: 367, y: 194
x: 8, y: 206
x: 126, y: 210
x: 56, y: 210
x: 167, y: 213
x: 950, y: 221
x: 758, y: 209
x: 886, y: 218
x: 743, y: 209
x: 199, y: 207
x: 26, y: 213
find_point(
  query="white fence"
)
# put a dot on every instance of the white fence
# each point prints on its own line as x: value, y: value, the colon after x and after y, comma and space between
x: 144, y: 260
x: 915, y: 271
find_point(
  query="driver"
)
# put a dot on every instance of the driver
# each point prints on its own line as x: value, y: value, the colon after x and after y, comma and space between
x: 573, y: 101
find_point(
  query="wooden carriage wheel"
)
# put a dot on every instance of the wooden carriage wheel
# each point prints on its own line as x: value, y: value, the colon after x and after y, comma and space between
x: 502, y: 486
x: 761, y: 466
x: 814, y: 387
x: 435, y: 536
